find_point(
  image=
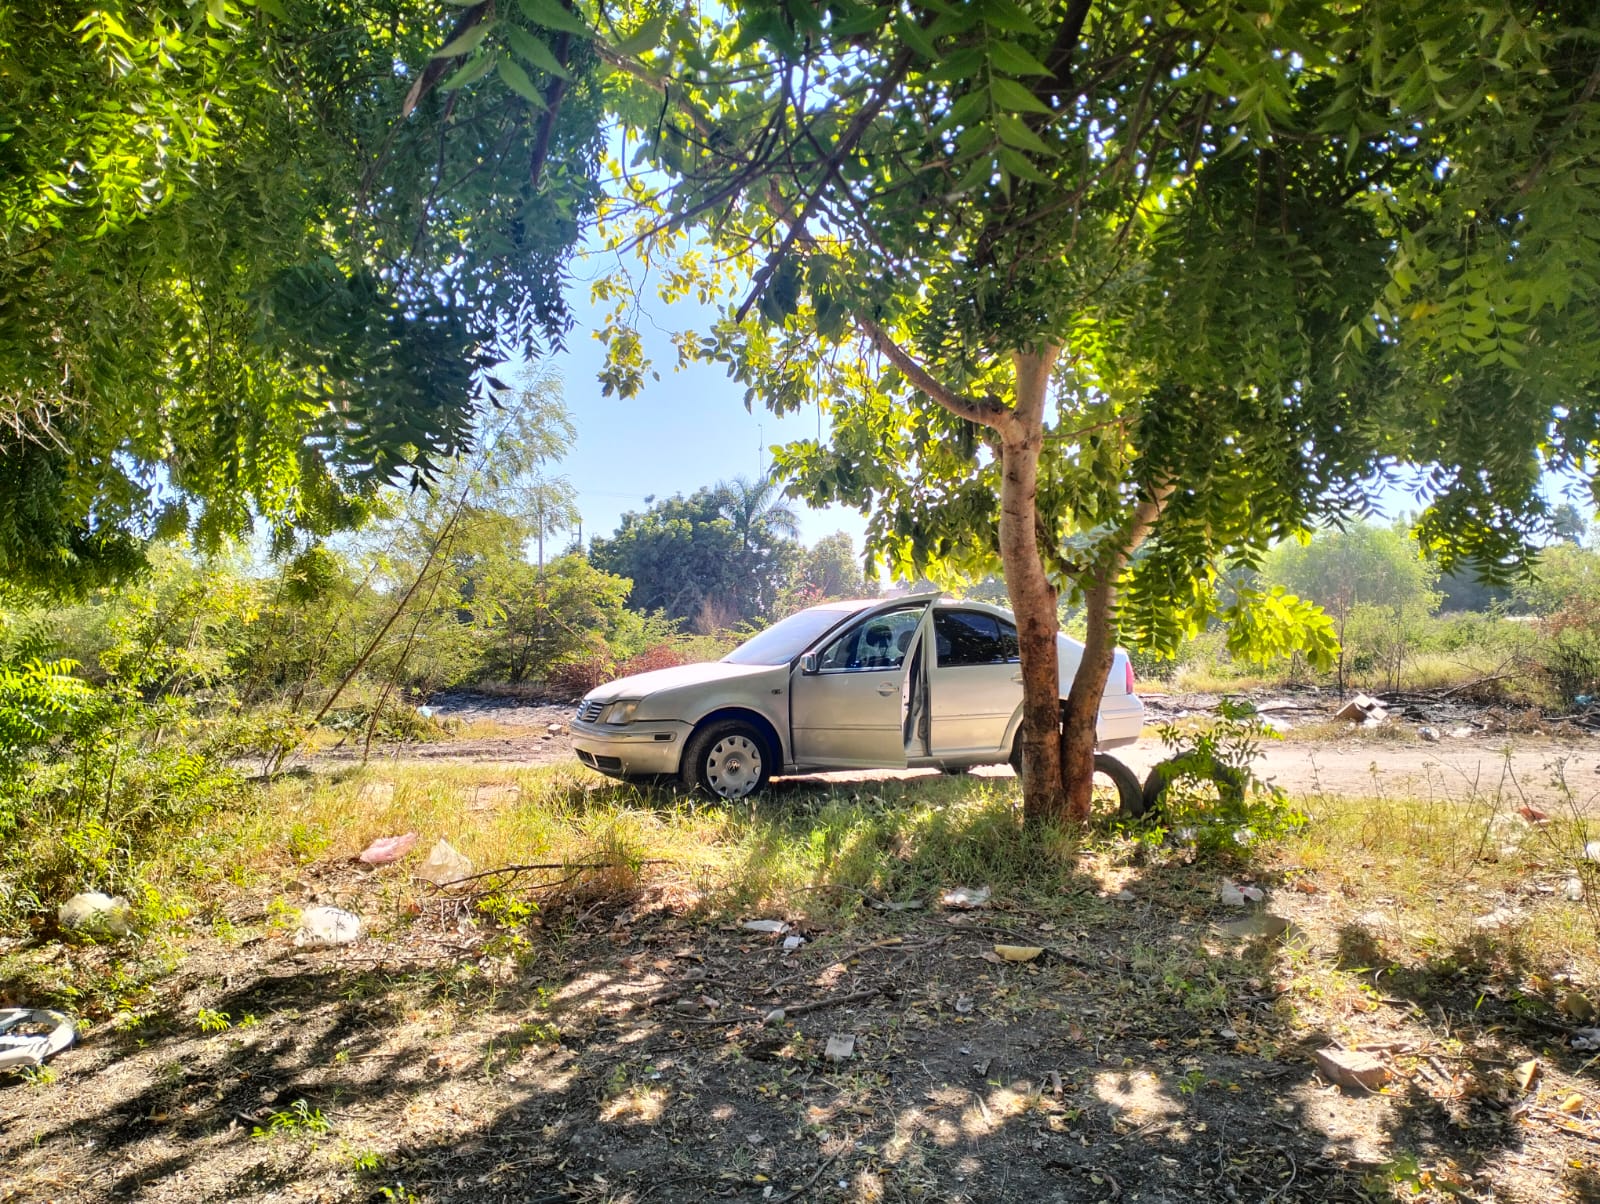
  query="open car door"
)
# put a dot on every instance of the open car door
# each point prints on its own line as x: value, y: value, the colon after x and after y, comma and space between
x: 852, y: 703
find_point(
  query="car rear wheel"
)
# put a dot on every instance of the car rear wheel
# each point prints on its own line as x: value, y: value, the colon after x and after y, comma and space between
x: 726, y: 759
x: 1130, y: 794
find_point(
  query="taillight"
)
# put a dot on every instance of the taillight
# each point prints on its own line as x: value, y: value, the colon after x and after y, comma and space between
x: 1127, y: 666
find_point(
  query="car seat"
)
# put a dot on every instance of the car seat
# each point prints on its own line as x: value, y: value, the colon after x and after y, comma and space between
x: 903, y: 644
x: 875, y: 650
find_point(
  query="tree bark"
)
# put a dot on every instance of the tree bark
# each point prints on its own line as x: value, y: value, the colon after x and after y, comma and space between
x: 1081, y: 714
x: 1033, y: 597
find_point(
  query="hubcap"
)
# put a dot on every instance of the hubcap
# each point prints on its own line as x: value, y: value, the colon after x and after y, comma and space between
x: 733, y: 766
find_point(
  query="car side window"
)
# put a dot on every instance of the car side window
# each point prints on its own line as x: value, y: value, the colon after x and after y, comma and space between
x: 879, y: 643
x: 965, y: 637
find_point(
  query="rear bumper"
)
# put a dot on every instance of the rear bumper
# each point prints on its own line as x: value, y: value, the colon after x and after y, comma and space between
x: 1121, y: 721
x: 631, y: 750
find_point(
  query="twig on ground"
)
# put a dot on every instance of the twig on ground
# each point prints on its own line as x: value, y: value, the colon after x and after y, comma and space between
x: 811, y: 1182
x: 533, y: 867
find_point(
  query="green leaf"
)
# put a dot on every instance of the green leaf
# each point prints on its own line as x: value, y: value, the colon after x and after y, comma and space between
x: 1014, y: 60
x: 552, y: 14
x: 467, y: 42
x: 474, y: 69
x: 1009, y: 94
x: 648, y: 37
x: 1014, y: 131
x: 517, y: 80
x: 913, y: 36
x: 1006, y: 15
x: 536, y: 52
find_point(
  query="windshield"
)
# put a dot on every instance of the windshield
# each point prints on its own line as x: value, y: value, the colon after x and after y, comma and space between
x: 785, y: 640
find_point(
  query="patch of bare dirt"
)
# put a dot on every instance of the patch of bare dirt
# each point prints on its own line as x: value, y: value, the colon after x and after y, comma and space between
x: 627, y: 1051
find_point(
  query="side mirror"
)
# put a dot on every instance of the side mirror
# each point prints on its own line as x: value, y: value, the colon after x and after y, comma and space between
x: 808, y: 663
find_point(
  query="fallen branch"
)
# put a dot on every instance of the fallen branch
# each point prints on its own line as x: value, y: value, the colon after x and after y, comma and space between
x: 800, y: 1009
x: 811, y: 1182
x: 536, y: 866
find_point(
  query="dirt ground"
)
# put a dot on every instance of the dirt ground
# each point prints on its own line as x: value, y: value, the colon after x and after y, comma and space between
x: 630, y: 1044
x: 1479, y: 749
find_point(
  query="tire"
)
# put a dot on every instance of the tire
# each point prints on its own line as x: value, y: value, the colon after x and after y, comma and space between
x: 1228, y: 782
x: 1130, y: 795
x: 727, y: 760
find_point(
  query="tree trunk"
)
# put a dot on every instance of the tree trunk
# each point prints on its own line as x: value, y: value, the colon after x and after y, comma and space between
x: 1082, y: 711
x: 1033, y: 597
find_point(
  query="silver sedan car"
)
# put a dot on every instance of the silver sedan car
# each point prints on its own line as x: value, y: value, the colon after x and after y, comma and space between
x: 908, y: 682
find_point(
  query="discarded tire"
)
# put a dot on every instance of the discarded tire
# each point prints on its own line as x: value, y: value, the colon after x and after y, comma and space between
x: 1229, y: 783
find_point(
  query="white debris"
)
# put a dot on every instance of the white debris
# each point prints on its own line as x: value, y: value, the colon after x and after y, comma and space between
x: 1575, y: 889
x: 324, y: 927
x: 1499, y: 918
x: 965, y: 898
x: 1429, y: 734
x: 1363, y: 710
x: 45, y: 1034
x: 95, y: 914
x: 840, y: 1047
x: 774, y: 927
x: 1234, y: 895
x: 445, y: 866
x: 791, y: 943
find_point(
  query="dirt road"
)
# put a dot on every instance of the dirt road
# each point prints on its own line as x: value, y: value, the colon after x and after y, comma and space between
x: 1536, y: 769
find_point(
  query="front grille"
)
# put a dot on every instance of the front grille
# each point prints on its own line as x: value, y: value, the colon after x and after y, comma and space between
x: 589, y: 710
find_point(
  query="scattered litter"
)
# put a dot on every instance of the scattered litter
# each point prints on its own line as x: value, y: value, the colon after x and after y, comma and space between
x: 44, y: 1034
x: 1525, y: 1074
x: 388, y: 848
x: 965, y: 898
x: 1575, y: 889
x: 840, y: 1046
x: 1363, y: 710
x: 1499, y: 918
x: 1235, y: 895
x: 426, y: 712
x: 774, y: 927
x: 1464, y: 732
x: 1273, y: 723
x: 1277, y: 704
x: 963, y: 1004
x: 1429, y: 734
x: 791, y: 943
x: 1591, y: 851
x: 775, y: 1016
x: 1351, y: 1068
x: 94, y: 914
x: 1533, y: 815
x: 886, y: 905
x: 1018, y: 953
x: 1573, y: 1103
x: 323, y: 927
x: 445, y: 866
x: 1123, y: 896
x: 1585, y: 1039
x: 1261, y: 924
x: 555, y: 729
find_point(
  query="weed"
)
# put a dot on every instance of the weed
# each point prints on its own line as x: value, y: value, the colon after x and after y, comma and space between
x: 212, y: 1022
x: 1194, y: 1079
x: 298, y: 1117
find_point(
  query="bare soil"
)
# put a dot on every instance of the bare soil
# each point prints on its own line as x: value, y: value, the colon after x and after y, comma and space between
x: 620, y: 1045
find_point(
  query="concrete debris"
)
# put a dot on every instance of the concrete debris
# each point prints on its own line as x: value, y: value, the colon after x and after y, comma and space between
x: 1364, y: 710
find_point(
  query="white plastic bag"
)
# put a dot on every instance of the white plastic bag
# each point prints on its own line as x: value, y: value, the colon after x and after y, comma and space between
x: 323, y: 927
x: 444, y: 865
x: 96, y: 915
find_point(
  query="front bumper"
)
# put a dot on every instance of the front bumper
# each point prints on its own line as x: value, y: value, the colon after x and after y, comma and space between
x: 632, y: 749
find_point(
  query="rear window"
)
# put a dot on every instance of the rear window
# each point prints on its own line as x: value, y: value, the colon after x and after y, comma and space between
x: 968, y: 638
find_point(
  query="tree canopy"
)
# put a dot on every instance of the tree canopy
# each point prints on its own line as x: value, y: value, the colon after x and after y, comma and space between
x: 1079, y: 277
x: 255, y: 257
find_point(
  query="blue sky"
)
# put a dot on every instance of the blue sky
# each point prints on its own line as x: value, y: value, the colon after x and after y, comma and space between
x: 686, y: 430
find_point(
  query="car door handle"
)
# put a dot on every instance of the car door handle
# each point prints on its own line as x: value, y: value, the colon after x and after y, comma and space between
x: 888, y: 688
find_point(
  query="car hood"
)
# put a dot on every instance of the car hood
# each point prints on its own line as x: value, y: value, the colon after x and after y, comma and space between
x: 643, y: 685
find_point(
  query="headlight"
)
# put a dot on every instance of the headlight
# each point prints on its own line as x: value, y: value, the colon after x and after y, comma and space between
x: 620, y: 712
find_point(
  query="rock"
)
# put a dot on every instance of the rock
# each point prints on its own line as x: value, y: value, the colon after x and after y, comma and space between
x: 1262, y: 924
x: 1577, y: 1006
x: 1429, y: 734
x: 97, y: 915
x: 555, y: 729
x: 1123, y: 896
x: 324, y: 927
x: 840, y: 1047
x: 1575, y: 889
x: 445, y: 867
x: 965, y: 898
x: 386, y: 849
x: 1351, y: 1068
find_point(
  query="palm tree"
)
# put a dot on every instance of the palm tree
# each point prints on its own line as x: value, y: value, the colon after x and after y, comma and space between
x: 764, y: 524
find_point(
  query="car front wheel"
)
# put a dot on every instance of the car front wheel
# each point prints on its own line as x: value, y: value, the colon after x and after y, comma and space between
x: 728, y: 760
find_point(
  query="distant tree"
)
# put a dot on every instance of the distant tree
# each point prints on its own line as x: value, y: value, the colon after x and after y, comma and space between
x: 830, y: 568
x: 1364, y: 564
x: 1568, y: 522
x: 1566, y: 575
